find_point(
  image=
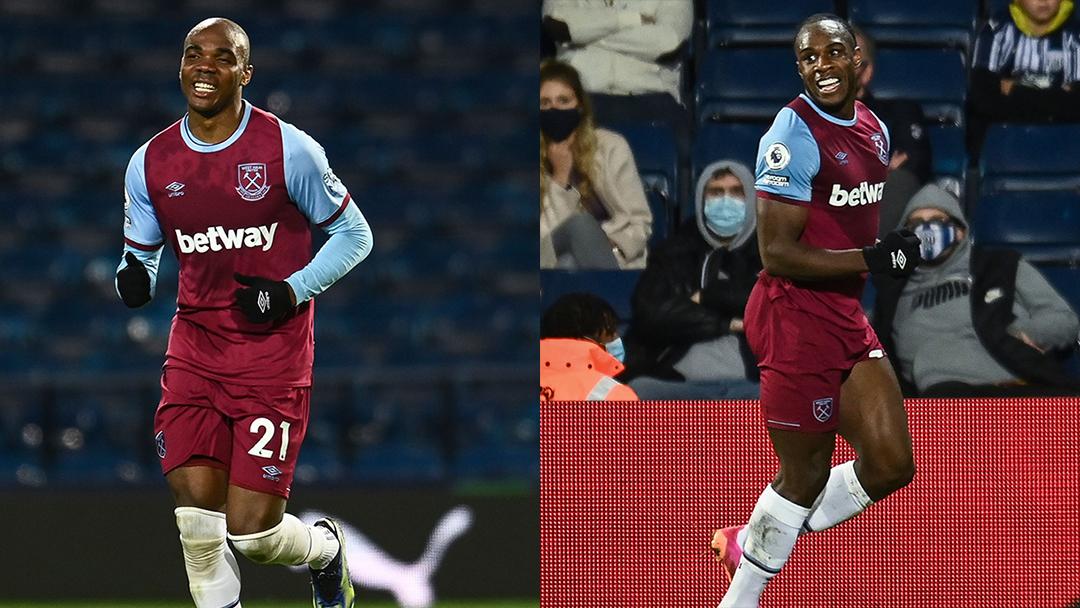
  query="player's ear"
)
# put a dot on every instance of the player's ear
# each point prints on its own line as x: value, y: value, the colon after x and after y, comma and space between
x: 248, y: 72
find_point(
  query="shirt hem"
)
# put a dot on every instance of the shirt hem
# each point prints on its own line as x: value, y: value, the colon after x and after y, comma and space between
x: 235, y: 380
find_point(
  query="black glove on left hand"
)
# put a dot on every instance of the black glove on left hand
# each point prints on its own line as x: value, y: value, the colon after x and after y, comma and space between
x: 896, y: 255
x: 133, y: 282
x: 263, y: 300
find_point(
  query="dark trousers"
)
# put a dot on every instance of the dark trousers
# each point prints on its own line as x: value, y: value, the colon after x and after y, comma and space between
x: 959, y: 389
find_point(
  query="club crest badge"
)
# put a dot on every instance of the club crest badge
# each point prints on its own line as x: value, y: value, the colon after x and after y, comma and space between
x: 252, y: 181
x: 882, y: 148
x: 159, y: 440
x: 823, y: 409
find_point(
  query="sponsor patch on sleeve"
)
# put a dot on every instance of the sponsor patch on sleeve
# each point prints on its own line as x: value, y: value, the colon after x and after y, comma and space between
x: 775, y: 180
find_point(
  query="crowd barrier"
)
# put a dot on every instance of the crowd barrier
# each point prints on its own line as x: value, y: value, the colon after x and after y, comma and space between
x: 631, y: 491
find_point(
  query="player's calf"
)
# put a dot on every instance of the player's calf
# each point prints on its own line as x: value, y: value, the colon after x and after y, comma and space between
x: 213, y: 576
x: 291, y: 542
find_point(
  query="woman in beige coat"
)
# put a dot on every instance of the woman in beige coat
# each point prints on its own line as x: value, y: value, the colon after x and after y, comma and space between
x: 593, y: 211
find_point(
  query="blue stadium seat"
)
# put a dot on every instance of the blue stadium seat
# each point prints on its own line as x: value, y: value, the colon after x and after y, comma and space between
x: 656, y: 157
x: 1066, y: 280
x: 741, y: 23
x: 22, y: 468
x: 319, y: 464
x: 1044, y: 226
x: 496, y: 461
x: 615, y: 286
x: 745, y: 83
x: 398, y: 463
x: 1030, y: 157
x: 950, y: 155
x: 717, y: 141
x: 916, y: 22
x: 936, y: 78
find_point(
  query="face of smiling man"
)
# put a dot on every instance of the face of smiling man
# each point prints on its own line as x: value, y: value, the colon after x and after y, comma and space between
x: 214, y: 67
x: 827, y: 58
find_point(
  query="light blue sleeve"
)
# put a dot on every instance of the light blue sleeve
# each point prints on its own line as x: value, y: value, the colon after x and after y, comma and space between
x: 787, y: 158
x: 323, y: 199
x: 142, y: 232
x: 141, y: 226
x: 309, y: 179
x: 349, y: 243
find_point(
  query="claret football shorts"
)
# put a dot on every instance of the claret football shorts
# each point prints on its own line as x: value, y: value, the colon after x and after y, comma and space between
x: 803, y: 360
x: 253, y: 432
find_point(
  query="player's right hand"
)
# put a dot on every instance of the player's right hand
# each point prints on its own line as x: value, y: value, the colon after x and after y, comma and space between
x: 133, y: 282
x: 896, y: 255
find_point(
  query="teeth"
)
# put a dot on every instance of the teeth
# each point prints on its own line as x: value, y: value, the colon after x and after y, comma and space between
x: 828, y: 82
x: 203, y: 87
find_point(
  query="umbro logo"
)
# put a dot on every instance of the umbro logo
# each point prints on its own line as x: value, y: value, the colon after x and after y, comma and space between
x: 175, y: 189
x: 899, y: 260
x: 842, y: 157
x: 272, y: 473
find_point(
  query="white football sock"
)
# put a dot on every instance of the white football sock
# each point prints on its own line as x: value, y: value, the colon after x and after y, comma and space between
x: 291, y: 542
x: 771, y: 534
x: 213, y: 576
x: 842, y: 499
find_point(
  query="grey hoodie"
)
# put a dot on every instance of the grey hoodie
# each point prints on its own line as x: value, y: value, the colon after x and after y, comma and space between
x: 933, y: 331
x: 749, y: 226
x: 719, y: 358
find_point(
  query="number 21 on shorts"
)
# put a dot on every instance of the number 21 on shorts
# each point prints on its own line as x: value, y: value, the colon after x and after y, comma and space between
x: 266, y: 427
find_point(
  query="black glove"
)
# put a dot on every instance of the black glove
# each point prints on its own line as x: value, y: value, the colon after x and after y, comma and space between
x: 133, y: 282
x: 896, y: 255
x: 263, y: 300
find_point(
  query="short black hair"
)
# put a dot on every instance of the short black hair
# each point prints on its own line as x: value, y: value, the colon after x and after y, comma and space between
x: 818, y: 18
x: 578, y: 315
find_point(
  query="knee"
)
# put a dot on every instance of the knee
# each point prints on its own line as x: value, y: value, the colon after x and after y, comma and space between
x: 260, y: 547
x: 905, y: 473
x: 202, y: 535
x: 887, y: 475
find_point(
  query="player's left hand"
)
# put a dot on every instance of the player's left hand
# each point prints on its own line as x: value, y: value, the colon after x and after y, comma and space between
x: 896, y: 255
x: 263, y: 300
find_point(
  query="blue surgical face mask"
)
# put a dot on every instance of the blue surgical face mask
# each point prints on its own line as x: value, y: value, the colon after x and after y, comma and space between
x: 615, y: 349
x: 725, y: 215
x: 936, y: 237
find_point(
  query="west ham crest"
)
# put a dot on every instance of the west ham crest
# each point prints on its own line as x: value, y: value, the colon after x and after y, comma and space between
x: 252, y: 181
x: 823, y: 409
x: 882, y: 148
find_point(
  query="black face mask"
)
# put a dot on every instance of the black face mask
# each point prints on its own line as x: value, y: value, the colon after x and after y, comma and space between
x: 557, y: 125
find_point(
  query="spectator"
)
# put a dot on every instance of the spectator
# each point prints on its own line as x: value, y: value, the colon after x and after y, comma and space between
x: 1026, y: 67
x: 972, y: 321
x: 628, y: 53
x: 911, y: 163
x: 593, y: 211
x: 580, y: 351
x: 686, y: 339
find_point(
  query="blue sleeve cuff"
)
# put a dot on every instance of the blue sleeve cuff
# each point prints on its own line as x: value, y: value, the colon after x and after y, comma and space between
x: 149, y: 258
